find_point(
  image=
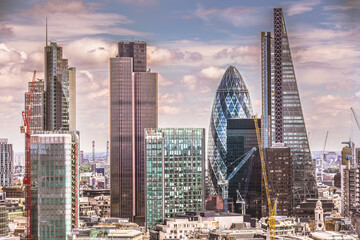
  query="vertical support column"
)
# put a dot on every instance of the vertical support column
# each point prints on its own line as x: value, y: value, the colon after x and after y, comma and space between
x: 278, y: 77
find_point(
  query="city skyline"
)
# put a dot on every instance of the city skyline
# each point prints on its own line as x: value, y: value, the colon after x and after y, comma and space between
x: 190, y: 51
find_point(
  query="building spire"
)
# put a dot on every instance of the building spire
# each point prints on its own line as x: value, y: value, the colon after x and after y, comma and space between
x: 46, y: 33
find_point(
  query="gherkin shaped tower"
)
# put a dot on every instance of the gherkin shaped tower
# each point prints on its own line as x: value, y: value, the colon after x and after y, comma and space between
x: 232, y: 100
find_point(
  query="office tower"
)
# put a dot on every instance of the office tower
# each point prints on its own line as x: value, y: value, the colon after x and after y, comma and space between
x: 175, y: 172
x: 38, y: 106
x: 6, y: 163
x: 137, y: 51
x: 4, y: 222
x: 55, y: 192
x: 278, y: 162
x: 133, y: 108
x: 266, y: 88
x: 241, y: 138
x: 287, y: 120
x: 232, y: 100
x: 60, y: 89
x: 346, y: 159
x: 350, y: 180
x: 72, y: 99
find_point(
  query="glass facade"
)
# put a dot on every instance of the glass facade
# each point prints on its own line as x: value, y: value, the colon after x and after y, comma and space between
x: 232, y: 100
x: 54, y: 171
x: 57, y: 89
x: 37, y: 118
x: 175, y: 172
x: 287, y: 119
x: 241, y: 138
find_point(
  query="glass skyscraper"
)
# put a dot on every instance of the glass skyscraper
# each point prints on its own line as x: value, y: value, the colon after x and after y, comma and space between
x: 133, y: 108
x: 232, y: 100
x: 241, y: 138
x: 287, y: 120
x: 58, y: 90
x: 175, y: 172
x: 55, y: 192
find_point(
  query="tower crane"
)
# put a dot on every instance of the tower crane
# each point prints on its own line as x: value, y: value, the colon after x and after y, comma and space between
x: 356, y: 119
x: 26, y: 115
x: 322, y: 158
x: 272, y: 208
x: 224, y: 183
x: 241, y: 201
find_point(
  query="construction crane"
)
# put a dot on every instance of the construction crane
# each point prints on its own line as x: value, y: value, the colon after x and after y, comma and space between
x: 26, y: 115
x: 107, y: 152
x: 356, y: 119
x: 322, y: 158
x: 272, y: 208
x: 241, y: 200
x: 224, y: 183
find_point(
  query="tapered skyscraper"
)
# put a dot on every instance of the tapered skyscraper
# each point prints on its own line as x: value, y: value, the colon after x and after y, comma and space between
x: 232, y: 100
x: 133, y: 107
x: 287, y: 120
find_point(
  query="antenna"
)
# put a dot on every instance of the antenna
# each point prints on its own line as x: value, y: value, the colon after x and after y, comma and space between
x: 46, y: 33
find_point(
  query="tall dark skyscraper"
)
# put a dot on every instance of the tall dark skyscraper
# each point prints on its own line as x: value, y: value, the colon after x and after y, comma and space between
x: 133, y: 94
x: 287, y: 120
x: 241, y: 138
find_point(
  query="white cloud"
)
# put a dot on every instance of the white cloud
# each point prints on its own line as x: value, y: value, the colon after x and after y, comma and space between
x: 302, y: 7
x: 212, y: 72
x: 168, y: 110
x: 189, y: 81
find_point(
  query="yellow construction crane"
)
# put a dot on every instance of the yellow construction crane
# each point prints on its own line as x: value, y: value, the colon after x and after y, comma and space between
x: 272, y: 208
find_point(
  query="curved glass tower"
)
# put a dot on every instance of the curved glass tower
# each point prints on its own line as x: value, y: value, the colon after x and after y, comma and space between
x: 232, y: 100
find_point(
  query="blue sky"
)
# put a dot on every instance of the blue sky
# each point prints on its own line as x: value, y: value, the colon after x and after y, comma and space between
x: 190, y: 44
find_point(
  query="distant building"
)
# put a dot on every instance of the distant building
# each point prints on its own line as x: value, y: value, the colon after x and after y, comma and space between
x: 14, y: 191
x: 60, y: 89
x: 3, y: 221
x: 175, y: 172
x: 6, y: 163
x: 306, y: 209
x: 55, y: 191
x: 133, y: 107
x: 37, y: 119
x: 241, y: 138
x: 278, y: 162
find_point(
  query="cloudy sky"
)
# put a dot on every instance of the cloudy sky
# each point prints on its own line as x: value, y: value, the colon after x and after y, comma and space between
x: 190, y: 44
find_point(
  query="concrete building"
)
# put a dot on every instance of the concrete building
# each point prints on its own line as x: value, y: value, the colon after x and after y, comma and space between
x: 72, y: 99
x: 37, y: 119
x: 58, y: 90
x: 55, y: 192
x: 133, y: 107
x: 278, y: 162
x: 13, y: 191
x: 6, y: 163
x: 4, y: 228
x: 201, y: 224
x: 175, y: 172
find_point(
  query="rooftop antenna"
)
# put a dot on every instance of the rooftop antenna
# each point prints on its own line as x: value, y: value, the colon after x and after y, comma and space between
x: 46, y: 33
